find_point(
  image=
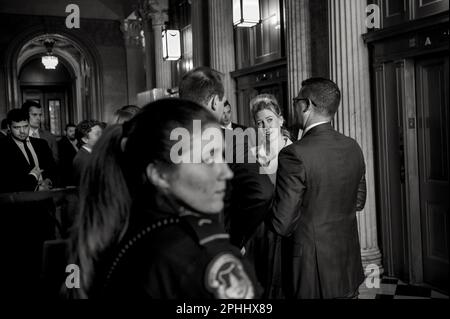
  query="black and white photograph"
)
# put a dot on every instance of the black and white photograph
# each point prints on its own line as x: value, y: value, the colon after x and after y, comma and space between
x: 261, y: 151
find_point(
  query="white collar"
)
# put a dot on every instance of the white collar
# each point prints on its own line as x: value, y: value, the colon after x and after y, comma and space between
x: 87, y: 149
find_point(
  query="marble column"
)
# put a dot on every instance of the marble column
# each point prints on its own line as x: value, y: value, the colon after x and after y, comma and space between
x: 136, y: 77
x: 298, y: 46
x: 199, y: 32
x: 349, y: 68
x: 163, y: 70
x: 221, y: 39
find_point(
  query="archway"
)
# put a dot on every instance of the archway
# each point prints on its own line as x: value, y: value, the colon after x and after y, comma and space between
x: 80, y: 58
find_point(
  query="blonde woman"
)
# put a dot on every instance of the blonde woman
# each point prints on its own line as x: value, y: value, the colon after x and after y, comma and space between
x: 264, y: 249
x: 273, y: 137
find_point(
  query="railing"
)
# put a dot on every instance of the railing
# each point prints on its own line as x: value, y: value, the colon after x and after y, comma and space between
x: 33, y: 226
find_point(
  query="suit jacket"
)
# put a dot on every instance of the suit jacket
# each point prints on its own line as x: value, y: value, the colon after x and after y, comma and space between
x: 249, y: 193
x: 315, y: 205
x: 235, y: 126
x: 52, y: 143
x: 15, y: 168
x: 66, y: 155
x: 79, y: 164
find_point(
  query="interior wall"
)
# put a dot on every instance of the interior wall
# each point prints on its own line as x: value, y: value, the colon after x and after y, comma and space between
x: 103, y: 37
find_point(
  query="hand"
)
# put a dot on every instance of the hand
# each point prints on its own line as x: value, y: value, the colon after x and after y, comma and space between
x: 37, y: 172
x: 46, y: 185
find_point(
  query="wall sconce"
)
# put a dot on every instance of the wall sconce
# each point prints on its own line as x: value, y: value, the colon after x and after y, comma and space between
x: 246, y: 13
x: 49, y: 61
x: 171, y: 44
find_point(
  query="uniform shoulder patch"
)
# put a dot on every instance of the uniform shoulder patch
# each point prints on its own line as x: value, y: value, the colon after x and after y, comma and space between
x: 227, y: 279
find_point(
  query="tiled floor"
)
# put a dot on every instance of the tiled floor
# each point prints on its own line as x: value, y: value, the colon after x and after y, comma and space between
x: 391, y: 288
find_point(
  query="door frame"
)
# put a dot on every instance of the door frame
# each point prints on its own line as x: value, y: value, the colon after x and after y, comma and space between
x: 413, y: 217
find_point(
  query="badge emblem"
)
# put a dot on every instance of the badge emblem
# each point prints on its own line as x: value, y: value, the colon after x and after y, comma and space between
x: 227, y: 279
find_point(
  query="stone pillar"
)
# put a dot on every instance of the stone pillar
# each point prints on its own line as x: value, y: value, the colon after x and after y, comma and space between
x: 199, y: 32
x: 221, y: 39
x: 163, y: 70
x: 136, y: 78
x: 298, y: 47
x: 349, y: 63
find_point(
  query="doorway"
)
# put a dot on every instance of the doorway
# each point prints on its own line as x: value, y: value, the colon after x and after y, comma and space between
x: 57, y: 110
x: 432, y: 104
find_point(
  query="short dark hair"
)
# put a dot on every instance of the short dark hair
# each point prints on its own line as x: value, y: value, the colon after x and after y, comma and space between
x: 324, y: 93
x: 70, y: 125
x: 16, y: 115
x: 201, y: 84
x: 84, y: 127
x: 28, y: 104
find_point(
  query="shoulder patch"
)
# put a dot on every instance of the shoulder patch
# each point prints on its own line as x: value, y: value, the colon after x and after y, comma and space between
x: 227, y: 279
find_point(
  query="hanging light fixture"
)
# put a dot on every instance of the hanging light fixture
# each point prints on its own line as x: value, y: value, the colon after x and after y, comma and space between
x: 49, y: 60
x: 171, y: 44
x: 246, y: 13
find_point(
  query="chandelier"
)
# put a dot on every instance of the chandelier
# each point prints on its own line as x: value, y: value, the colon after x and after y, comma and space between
x: 49, y: 60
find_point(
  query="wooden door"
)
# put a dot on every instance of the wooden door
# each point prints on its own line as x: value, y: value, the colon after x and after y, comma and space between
x: 432, y: 80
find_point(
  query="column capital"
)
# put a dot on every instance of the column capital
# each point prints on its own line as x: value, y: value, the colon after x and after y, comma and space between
x: 155, y: 10
x: 132, y: 31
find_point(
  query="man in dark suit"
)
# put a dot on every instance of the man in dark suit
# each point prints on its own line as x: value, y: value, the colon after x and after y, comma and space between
x: 87, y: 132
x: 249, y: 192
x: 26, y: 163
x: 225, y: 120
x: 316, y: 199
x: 67, y: 147
x: 34, y: 110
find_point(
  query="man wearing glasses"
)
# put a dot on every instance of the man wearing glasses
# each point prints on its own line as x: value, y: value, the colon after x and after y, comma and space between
x: 320, y: 186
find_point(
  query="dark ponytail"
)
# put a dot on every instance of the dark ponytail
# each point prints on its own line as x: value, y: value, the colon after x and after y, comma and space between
x: 105, y: 204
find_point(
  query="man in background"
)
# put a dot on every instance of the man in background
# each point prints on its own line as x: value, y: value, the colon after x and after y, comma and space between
x: 225, y: 120
x: 34, y: 110
x: 68, y: 149
x: 87, y: 132
x: 26, y: 163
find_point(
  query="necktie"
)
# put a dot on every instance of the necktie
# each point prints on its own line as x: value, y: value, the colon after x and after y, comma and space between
x: 29, y: 155
x: 35, y: 134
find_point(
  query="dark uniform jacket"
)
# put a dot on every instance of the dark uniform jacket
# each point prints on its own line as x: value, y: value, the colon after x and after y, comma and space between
x: 249, y: 193
x: 315, y: 205
x: 15, y: 169
x: 66, y: 155
x: 80, y: 162
x: 165, y: 256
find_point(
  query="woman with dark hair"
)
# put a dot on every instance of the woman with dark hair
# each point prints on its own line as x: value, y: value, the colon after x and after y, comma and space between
x: 148, y: 227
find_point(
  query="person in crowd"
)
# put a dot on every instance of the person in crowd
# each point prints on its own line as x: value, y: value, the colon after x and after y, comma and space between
x: 26, y: 163
x: 265, y: 247
x: 317, y: 195
x: 250, y: 192
x: 68, y: 149
x: 148, y: 225
x: 34, y: 110
x: 225, y: 121
x: 87, y: 132
x: 124, y: 114
x: 273, y: 137
x: 4, y: 129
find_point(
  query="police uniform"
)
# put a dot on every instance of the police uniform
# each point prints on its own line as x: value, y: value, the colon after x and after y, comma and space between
x: 186, y: 255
